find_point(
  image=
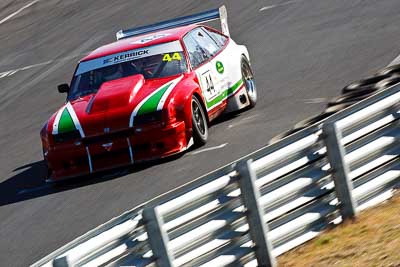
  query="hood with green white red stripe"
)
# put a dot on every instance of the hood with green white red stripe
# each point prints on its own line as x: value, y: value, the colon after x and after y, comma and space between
x: 114, y: 106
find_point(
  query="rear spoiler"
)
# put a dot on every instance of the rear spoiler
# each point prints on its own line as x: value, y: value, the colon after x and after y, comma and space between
x: 214, y: 14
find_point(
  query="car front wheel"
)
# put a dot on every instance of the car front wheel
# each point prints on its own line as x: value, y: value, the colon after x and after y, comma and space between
x: 199, y: 123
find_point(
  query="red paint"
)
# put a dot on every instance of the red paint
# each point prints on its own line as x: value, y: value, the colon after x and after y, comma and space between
x: 105, y: 116
x: 115, y: 94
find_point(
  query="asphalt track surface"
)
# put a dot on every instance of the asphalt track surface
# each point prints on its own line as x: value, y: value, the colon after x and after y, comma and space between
x: 302, y: 53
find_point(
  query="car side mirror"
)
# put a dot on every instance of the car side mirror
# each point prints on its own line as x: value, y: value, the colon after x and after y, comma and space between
x: 63, y: 88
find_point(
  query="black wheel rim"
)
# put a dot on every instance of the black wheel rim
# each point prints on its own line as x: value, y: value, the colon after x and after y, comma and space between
x: 198, y: 117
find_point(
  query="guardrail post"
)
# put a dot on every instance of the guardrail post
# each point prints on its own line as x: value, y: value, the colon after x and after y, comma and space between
x: 255, y: 214
x: 340, y: 170
x: 157, y: 236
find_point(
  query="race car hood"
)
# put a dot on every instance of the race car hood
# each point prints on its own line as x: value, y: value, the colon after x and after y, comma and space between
x: 114, y: 106
x: 116, y: 94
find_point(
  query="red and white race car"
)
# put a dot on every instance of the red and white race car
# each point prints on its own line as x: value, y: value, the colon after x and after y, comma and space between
x: 149, y: 95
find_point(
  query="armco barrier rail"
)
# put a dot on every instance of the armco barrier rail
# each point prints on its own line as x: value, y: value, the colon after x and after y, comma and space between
x: 264, y: 204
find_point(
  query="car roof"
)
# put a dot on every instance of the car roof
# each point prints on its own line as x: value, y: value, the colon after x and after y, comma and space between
x: 131, y: 43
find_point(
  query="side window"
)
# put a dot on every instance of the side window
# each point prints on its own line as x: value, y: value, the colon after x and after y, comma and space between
x: 217, y: 37
x: 196, y: 56
x: 206, y: 43
x: 200, y: 46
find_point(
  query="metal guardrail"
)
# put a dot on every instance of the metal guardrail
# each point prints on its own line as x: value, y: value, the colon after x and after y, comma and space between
x: 262, y: 205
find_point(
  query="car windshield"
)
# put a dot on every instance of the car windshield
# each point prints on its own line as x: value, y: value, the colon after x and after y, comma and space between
x: 152, y: 62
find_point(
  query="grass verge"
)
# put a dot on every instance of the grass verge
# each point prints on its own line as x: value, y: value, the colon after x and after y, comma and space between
x: 373, y: 239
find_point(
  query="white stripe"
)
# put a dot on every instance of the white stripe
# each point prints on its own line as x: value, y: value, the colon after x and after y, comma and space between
x: 208, y: 149
x: 190, y: 143
x: 57, y: 120
x: 5, y: 74
x: 130, y: 149
x: 278, y: 5
x: 168, y: 92
x: 75, y: 119
x: 314, y: 100
x: 12, y: 72
x: 18, y: 11
x: 37, y: 65
x: 89, y: 159
x: 136, y: 110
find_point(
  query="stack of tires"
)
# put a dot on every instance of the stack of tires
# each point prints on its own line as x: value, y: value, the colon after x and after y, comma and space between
x: 350, y: 95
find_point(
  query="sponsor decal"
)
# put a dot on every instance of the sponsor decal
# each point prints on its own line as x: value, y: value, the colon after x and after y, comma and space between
x: 175, y: 56
x: 126, y: 57
x: 208, y: 85
x: 97, y: 63
x: 220, y: 67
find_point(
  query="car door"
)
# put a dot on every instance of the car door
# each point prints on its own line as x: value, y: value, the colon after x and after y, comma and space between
x: 202, y: 49
x: 225, y: 61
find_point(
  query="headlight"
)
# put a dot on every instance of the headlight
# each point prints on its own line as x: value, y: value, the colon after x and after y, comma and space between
x: 150, y: 117
x: 65, y: 137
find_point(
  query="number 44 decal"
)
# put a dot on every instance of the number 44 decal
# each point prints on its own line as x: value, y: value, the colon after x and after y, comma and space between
x: 208, y: 85
x: 175, y: 56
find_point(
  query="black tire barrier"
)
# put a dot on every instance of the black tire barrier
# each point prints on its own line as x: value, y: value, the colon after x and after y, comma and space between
x: 280, y: 136
x: 356, y: 93
x: 390, y: 70
x: 311, y: 120
x: 364, y: 84
x: 385, y: 83
x: 351, y: 97
x: 333, y: 109
x: 351, y: 94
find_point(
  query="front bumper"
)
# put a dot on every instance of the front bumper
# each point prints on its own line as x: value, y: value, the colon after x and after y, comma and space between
x: 103, y: 152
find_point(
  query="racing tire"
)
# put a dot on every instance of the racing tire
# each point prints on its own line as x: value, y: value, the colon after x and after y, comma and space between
x: 364, y: 84
x: 280, y: 136
x: 336, y: 108
x: 199, y: 123
x: 311, y: 120
x: 328, y: 112
x: 249, y: 83
x: 387, y: 82
x: 351, y: 97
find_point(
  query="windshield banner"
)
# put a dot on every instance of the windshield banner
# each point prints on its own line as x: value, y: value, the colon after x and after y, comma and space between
x: 128, y: 56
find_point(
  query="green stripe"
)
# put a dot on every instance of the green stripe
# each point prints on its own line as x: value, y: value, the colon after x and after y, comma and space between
x: 151, y: 104
x: 66, y: 123
x: 225, y: 93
